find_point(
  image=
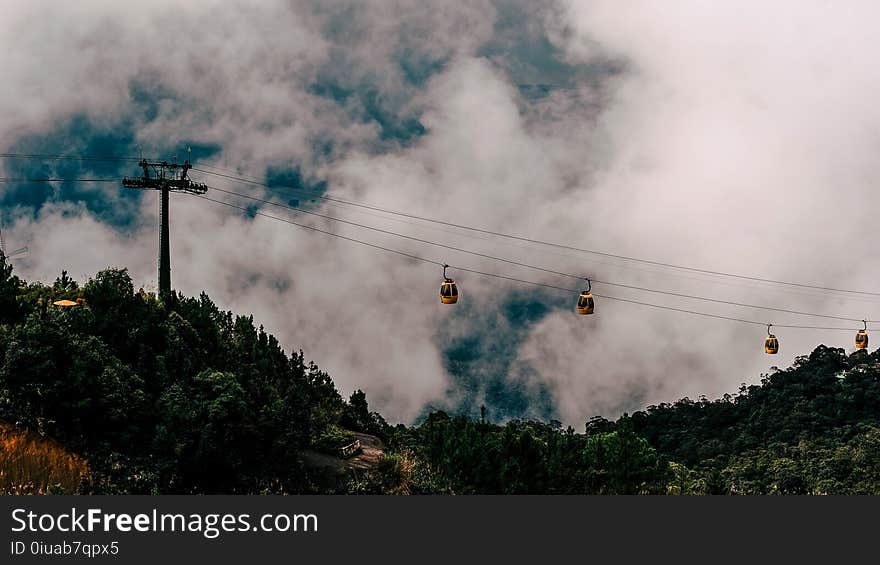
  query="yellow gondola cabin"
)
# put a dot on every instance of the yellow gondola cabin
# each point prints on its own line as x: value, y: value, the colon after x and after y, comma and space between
x: 585, y: 304
x: 771, y: 344
x: 448, y: 289
x: 862, y: 337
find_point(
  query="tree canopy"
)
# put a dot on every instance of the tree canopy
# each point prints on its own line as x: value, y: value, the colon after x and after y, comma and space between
x: 179, y: 396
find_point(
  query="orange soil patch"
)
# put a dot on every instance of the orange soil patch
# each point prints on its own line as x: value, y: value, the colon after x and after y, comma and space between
x: 30, y: 464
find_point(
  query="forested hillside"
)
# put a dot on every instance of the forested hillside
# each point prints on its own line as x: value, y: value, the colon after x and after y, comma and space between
x: 813, y: 428
x: 177, y: 397
x: 142, y: 395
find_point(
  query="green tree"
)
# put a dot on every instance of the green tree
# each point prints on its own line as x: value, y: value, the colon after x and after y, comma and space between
x: 10, y: 310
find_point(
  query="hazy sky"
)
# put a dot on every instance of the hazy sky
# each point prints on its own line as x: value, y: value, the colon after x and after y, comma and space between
x: 735, y: 136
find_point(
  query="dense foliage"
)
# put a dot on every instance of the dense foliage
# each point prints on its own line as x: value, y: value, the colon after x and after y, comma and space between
x: 178, y: 396
x: 811, y: 429
x: 159, y: 397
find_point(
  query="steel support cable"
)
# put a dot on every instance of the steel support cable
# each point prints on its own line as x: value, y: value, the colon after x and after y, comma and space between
x: 535, y: 267
x: 476, y: 229
x: 514, y: 279
x: 10, y: 179
x: 553, y: 244
x: 302, y: 193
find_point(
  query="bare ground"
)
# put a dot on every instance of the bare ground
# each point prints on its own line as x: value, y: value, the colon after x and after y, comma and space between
x: 372, y: 449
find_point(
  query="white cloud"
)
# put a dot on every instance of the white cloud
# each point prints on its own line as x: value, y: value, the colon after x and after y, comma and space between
x: 739, y: 138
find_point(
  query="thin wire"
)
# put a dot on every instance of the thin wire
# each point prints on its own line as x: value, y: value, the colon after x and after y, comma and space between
x: 799, y: 327
x: 465, y: 227
x: 535, y: 267
x: 67, y: 157
x: 336, y: 203
x: 514, y: 279
x: 389, y: 232
x: 9, y: 179
x: 730, y: 302
x: 487, y: 256
x: 552, y: 244
x: 308, y: 227
x: 305, y: 193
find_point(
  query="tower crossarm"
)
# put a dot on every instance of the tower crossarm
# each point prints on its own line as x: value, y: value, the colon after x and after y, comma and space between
x: 188, y: 186
x: 162, y: 175
x: 142, y: 183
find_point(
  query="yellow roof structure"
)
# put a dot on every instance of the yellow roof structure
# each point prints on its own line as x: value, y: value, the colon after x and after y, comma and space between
x: 64, y: 303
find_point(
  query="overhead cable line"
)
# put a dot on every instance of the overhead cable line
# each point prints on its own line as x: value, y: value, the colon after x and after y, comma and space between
x: 319, y: 230
x: 514, y: 279
x: 9, y: 179
x: 487, y: 256
x: 529, y: 266
x: 68, y: 157
x: 340, y: 204
x: 473, y: 228
x: 551, y: 244
x: 496, y: 275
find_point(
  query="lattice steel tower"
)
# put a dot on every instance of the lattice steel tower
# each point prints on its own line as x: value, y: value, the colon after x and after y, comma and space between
x: 166, y: 178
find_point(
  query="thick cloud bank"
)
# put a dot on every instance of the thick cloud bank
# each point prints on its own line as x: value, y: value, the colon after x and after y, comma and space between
x: 736, y: 138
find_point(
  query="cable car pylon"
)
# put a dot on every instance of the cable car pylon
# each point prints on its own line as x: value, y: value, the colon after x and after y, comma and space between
x: 166, y: 178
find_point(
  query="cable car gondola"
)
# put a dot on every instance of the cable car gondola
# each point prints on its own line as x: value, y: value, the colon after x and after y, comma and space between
x: 862, y: 337
x: 448, y: 289
x: 771, y: 344
x: 585, y: 304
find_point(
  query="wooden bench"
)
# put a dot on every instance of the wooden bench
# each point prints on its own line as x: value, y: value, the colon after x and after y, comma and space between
x: 351, y: 449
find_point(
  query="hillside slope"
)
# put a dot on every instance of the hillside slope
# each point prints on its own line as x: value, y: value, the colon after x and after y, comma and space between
x: 813, y: 428
x: 178, y: 396
x: 30, y: 464
x: 172, y: 396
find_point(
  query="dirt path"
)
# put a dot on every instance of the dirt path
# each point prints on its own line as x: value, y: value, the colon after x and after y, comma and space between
x: 372, y: 449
